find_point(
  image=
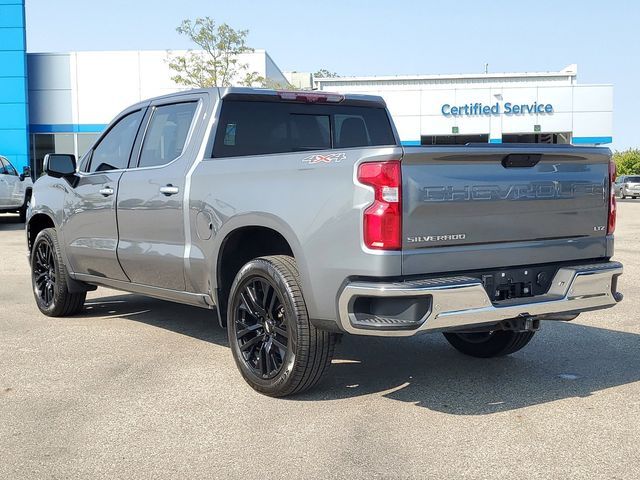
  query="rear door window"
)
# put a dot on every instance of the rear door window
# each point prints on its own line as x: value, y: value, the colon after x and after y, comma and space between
x: 258, y: 128
x: 167, y: 133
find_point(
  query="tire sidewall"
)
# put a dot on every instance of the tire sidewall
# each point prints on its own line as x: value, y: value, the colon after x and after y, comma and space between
x: 264, y: 269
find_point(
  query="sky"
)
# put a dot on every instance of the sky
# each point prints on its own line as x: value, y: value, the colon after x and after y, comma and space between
x: 391, y: 37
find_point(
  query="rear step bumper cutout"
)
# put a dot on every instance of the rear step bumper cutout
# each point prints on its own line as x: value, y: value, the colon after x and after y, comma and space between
x: 458, y: 303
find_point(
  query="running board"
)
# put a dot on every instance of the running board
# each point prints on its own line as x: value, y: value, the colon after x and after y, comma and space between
x: 195, y: 299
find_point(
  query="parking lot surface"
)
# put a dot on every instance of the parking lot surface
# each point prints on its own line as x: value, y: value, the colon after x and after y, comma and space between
x: 140, y: 388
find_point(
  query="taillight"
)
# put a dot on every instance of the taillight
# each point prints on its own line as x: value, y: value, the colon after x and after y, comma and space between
x: 611, y: 224
x: 383, y: 218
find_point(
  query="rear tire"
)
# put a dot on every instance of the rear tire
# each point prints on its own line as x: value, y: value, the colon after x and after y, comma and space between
x: 49, y: 278
x: 275, y: 347
x: 496, y: 343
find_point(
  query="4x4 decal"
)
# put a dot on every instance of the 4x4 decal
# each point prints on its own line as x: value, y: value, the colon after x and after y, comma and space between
x: 325, y: 158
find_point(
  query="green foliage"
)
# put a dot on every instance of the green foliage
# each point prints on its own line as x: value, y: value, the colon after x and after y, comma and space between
x: 324, y: 73
x: 216, y: 65
x: 628, y: 161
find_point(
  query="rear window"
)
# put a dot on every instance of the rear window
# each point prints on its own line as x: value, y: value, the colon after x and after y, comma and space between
x: 258, y: 128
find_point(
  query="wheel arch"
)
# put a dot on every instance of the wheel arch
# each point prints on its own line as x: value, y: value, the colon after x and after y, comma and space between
x: 245, y: 239
x: 36, y: 223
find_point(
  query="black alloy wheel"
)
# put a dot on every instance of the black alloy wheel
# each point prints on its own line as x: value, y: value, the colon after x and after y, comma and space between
x: 44, y: 273
x: 49, y: 278
x: 261, y: 327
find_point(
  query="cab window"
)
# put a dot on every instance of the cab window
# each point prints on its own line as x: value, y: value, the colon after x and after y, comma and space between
x: 249, y: 127
x: 6, y: 168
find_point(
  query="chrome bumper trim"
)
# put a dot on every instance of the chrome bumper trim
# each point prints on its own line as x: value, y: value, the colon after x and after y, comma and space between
x: 462, y: 302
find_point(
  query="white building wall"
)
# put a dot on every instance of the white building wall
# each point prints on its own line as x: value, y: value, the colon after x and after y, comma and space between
x: 81, y: 91
x: 415, y: 103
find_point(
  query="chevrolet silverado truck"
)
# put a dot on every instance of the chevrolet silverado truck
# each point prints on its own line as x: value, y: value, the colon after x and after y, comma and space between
x: 299, y: 216
x: 15, y: 189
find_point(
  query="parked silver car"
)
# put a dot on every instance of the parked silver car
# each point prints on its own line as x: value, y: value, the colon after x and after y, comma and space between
x: 628, y: 186
x: 15, y: 189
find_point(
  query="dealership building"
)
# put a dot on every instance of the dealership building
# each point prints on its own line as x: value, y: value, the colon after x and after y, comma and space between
x: 530, y: 107
x: 60, y: 102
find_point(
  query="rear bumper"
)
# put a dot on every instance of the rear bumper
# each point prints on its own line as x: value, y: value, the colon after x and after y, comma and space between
x: 458, y: 303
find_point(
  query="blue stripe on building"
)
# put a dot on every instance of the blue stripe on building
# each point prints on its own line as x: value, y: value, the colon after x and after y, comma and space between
x: 14, y: 139
x: 67, y: 128
x: 591, y: 140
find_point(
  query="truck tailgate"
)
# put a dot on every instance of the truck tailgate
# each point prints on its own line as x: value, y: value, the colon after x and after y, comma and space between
x: 477, y: 196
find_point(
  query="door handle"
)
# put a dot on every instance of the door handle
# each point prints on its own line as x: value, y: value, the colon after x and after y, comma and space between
x: 169, y: 190
x: 106, y: 191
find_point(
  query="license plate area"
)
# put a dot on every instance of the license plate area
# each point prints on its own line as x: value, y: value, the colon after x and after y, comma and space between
x: 506, y: 284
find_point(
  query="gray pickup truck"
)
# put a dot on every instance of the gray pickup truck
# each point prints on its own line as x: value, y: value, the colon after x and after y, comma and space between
x: 299, y: 217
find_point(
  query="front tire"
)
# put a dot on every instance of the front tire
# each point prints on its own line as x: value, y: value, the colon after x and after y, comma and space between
x: 23, y: 210
x: 49, y: 278
x: 275, y: 347
x: 497, y: 343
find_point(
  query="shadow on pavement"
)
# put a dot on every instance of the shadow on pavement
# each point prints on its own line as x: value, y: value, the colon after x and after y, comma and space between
x: 9, y: 222
x: 563, y: 360
x: 195, y: 322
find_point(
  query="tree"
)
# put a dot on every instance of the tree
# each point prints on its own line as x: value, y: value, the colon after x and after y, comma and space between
x: 324, y: 73
x: 628, y: 161
x: 216, y: 64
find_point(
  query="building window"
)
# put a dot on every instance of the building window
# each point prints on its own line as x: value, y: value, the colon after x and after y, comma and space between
x: 85, y: 141
x: 453, y: 139
x: 561, y: 138
x: 43, y: 143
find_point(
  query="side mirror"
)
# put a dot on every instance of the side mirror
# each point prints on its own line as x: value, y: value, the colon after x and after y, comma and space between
x: 59, y: 165
x: 26, y: 173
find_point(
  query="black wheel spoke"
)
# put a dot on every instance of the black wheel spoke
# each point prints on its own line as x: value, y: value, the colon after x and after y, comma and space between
x: 272, y: 302
x: 253, y: 297
x: 282, y: 331
x: 247, y: 345
x: 250, y: 303
x: 282, y: 347
x: 263, y: 362
x: 252, y: 328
